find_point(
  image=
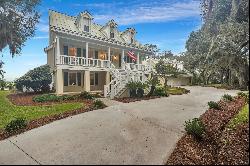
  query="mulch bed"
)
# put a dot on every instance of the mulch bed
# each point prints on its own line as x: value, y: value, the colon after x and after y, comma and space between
x: 130, y: 99
x: 189, y: 151
x: 219, y: 145
x: 26, y: 99
x: 234, y: 146
x: 216, y: 120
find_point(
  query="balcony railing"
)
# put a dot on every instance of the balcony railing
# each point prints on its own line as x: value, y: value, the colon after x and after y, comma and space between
x: 81, y: 61
x: 139, y: 67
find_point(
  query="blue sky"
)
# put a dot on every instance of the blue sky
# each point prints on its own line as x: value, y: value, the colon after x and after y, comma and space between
x: 166, y: 23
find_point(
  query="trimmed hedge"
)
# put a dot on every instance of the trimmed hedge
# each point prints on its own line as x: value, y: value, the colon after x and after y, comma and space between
x: 16, y: 125
x: 213, y: 105
x: 55, y: 98
x: 195, y: 127
x: 52, y: 97
x: 86, y: 95
x: 160, y: 91
x: 227, y: 97
x: 98, y: 104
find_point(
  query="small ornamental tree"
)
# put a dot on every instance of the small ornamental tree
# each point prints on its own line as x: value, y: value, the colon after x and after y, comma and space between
x: 37, y: 79
x: 165, y: 70
x: 2, y: 84
x: 1, y: 71
x: 152, y: 83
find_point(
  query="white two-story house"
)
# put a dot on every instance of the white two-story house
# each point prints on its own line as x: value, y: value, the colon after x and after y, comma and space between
x: 85, y: 56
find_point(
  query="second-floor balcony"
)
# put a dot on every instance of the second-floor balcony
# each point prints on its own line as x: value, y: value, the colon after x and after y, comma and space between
x: 81, y: 61
x: 99, y: 63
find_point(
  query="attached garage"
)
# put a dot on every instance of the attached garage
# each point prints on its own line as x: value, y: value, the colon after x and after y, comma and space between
x: 180, y: 80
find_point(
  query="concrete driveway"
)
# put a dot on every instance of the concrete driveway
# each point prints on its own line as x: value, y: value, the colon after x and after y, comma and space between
x: 143, y: 132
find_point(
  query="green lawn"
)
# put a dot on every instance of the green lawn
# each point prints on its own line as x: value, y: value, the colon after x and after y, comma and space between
x: 8, y: 111
x: 176, y: 91
x: 241, y: 117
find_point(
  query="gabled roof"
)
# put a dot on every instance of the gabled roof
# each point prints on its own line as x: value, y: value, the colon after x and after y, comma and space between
x: 112, y: 23
x: 86, y: 14
x: 64, y: 23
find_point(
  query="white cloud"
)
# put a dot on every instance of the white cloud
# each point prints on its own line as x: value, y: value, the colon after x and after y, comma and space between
x: 40, y: 37
x: 43, y: 27
x: 151, y: 12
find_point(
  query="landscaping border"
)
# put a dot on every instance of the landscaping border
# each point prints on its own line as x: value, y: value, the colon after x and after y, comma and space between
x: 22, y: 99
x: 218, y: 145
x: 46, y: 120
x: 130, y: 99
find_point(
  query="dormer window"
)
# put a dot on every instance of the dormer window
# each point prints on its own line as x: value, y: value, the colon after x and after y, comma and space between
x: 129, y: 35
x: 86, y: 28
x: 83, y: 21
x: 112, y: 34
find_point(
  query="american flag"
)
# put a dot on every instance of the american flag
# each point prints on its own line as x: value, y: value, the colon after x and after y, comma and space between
x: 132, y: 55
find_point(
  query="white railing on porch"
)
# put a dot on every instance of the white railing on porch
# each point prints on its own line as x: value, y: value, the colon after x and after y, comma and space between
x: 81, y: 61
x: 138, y: 67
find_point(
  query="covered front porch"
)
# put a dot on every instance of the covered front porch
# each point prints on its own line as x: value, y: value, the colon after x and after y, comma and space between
x: 77, y: 81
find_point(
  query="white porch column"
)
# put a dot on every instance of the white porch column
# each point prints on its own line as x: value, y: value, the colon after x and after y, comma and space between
x: 57, y: 56
x: 59, y: 81
x: 87, y: 53
x: 107, y: 78
x: 109, y: 54
x: 123, y: 62
x: 87, y: 81
x: 138, y: 58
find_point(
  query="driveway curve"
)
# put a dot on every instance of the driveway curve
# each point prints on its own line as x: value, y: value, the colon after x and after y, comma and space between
x: 143, y: 132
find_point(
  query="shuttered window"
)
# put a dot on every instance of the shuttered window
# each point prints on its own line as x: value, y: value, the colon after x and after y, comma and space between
x: 96, y: 79
x: 65, y: 78
x: 72, y: 79
x: 79, y: 51
x: 96, y: 54
x: 84, y: 53
x: 65, y: 50
x: 79, y: 79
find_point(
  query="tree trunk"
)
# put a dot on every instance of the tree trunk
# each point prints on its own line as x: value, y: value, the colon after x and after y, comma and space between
x: 243, y: 76
x: 227, y: 77
x: 152, y: 89
x: 166, y: 82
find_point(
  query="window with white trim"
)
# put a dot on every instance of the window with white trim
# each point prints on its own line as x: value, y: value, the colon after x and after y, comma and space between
x: 86, y: 28
x: 72, y: 79
x: 94, y: 78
